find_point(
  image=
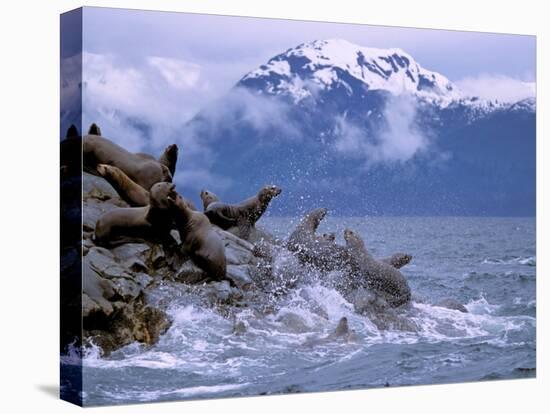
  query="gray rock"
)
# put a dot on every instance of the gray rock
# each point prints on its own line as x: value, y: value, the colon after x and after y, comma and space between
x: 293, y: 322
x: 240, y: 275
x: 219, y: 291
x: 191, y: 274
x: 130, y: 250
x: 143, y: 279
x: 95, y: 208
x: 97, y: 290
x: 236, y: 254
x: 97, y: 185
x: 127, y: 288
x: 156, y: 257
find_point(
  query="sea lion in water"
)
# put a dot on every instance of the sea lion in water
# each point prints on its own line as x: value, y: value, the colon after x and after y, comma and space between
x: 134, y: 194
x: 243, y: 215
x: 99, y: 150
x: 341, y: 333
x: 313, y: 249
x: 152, y: 222
x: 397, y: 260
x: 379, y: 276
x: 452, y: 304
x: 330, y: 237
x: 199, y: 239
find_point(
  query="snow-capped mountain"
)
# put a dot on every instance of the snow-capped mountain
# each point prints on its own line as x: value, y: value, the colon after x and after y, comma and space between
x: 370, y: 131
x: 328, y: 64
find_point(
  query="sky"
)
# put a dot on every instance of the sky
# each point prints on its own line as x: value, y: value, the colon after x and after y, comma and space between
x: 146, y: 74
x: 197, y: 58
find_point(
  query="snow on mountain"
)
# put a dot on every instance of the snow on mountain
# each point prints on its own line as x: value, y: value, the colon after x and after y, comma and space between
x: 321, y: 64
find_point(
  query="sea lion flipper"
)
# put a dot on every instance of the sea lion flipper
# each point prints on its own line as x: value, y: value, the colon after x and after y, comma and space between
x: 169, y: 158
x: 244, y: 229
x: 131, y: 192
x: 94, y: 130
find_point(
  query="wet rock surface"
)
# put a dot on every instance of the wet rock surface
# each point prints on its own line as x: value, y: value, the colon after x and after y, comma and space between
x: 117, y: 307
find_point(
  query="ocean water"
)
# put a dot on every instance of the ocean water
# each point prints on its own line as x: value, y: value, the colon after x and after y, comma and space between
x: 487, y: 264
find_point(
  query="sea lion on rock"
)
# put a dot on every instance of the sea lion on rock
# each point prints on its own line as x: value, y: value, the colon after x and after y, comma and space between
x: 379, y: 276
x: 152, y: 222
x: 243, y: 215
x: 199, y: 239
x: 169, y: 157
x: 397, y: 260
x: 134, y: 194
x: 99, y: 150
x: 313, y: 249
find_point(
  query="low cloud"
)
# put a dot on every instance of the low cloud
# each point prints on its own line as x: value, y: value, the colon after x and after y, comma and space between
x: 499, y: 87
x: 146, y: 105
x: 179, y: 74
x: 398, y: 141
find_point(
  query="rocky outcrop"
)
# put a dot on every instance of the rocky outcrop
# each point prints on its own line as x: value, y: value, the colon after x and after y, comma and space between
x: 116, y: 309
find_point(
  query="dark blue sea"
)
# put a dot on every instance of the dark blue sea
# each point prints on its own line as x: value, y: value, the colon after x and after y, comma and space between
x: 487, y: 264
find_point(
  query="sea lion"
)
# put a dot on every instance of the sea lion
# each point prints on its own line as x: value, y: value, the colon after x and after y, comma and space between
x: 152, y: 222
x: 243, y: 215
x: 99, y: 150
x: 452, y: 304
x: 341, y: 333
x: 379, y: 276
x: 169, y: 157
x: 134, y: 194
x: 330, y: 237
x: 397, y: 260
x: 313, y: 249
x: 208, y: 197
x: 199, y: 239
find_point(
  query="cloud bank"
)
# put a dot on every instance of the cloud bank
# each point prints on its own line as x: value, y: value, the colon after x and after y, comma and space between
x: 499, y: 87
x: 398, y: 141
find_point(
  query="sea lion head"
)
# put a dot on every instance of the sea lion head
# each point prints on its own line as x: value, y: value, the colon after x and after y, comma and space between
x: 315, y: 216
x: 400, y: 259
x: 166, y: 174
x: 342, y: 328
x: 162, y: 195
x: 208, y: 197
x: 353, y: 240
x: 171, y: 151
x: 330, y: 237
x: 268, y: 192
